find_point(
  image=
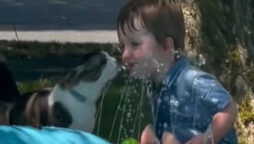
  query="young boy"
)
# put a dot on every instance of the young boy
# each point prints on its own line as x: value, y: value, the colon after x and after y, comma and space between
x: 189, y: 106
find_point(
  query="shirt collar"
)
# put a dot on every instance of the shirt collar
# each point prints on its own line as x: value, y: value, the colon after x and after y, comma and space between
x: 175, y: 69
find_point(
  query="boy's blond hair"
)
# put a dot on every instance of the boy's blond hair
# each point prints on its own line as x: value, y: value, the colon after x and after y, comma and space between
x: 163, y: 18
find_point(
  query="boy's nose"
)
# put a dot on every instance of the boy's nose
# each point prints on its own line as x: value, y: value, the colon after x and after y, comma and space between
x: 126, y: 56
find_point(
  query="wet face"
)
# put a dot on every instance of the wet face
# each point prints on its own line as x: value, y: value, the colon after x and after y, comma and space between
x: 142, y: 55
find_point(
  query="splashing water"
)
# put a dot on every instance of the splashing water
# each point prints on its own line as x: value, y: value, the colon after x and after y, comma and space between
x: 129, y: 118
x: 100, y: 107
x: 129, y: 113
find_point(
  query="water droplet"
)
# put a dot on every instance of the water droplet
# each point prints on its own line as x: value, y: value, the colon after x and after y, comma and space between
x: 176, y: 103
x: 123, y: 67
x: 214, y: 100
x: 128, y: 114
x: 165, y: 125
x: 159, y: 101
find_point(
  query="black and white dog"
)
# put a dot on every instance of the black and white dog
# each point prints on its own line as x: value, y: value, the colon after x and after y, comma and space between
x: 72, y: 102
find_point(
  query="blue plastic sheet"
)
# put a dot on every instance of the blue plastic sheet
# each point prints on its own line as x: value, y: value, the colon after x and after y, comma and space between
x: 46, y: 135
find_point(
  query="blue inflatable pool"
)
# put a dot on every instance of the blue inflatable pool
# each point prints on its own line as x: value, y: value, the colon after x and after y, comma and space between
x: 47, y: 135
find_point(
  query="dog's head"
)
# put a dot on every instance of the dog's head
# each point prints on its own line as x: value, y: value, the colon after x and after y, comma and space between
x: 96, y: 66
x: 83, y: 86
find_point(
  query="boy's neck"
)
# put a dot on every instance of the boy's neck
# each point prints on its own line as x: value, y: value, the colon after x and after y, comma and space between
x: 161, y: 75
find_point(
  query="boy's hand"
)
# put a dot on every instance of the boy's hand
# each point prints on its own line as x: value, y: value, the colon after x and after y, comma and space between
x: 169, y: 138
x: 148, y: 136
x: 199, y: 139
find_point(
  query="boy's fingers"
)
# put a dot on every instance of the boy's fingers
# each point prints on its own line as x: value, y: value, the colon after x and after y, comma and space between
x: 199, y: 139
x: 148, y: 136
x: 168, y: 138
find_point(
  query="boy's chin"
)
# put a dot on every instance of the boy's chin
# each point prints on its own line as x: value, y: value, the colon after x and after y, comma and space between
x: 141, y: 76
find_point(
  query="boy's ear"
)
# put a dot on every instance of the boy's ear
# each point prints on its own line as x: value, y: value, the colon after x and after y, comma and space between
x: 169, y: 45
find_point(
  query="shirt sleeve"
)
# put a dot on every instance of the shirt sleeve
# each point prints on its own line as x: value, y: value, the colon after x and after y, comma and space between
x: 209, y: 90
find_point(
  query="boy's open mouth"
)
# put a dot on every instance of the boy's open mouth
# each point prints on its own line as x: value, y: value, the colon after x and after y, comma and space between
x: 129, y: 66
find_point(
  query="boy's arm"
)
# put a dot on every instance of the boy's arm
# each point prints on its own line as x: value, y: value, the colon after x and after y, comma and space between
x: 223, y: 121
x: 215, y: 99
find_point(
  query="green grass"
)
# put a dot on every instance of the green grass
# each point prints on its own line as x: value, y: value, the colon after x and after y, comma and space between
x: 29, y: 86
x: 246, y: 111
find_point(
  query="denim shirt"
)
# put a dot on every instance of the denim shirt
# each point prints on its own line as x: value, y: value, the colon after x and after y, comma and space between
x: 187, y: 101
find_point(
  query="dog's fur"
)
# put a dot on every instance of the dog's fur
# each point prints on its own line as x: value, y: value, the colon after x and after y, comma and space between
x: 71, y: 103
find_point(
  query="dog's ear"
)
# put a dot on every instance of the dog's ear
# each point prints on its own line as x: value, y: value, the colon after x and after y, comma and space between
x: 32, y: 112
x: 89, y: 70
x: 73, y: 77
x: 69, y: 80
x: 36, y: 111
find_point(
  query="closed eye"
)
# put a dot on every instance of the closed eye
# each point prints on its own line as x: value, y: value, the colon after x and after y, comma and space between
x: 135, y: 43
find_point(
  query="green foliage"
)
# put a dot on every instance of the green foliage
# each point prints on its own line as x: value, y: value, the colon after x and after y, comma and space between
x: 23, y: 49
x: 29, y: 86
x: 246, y: 111
x: 243, y: 141
x: 236, y: 58
x: 130, y: 141
x: 250, y: 77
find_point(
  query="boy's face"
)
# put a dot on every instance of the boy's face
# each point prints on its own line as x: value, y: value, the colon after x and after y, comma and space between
x: 142, y: 55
